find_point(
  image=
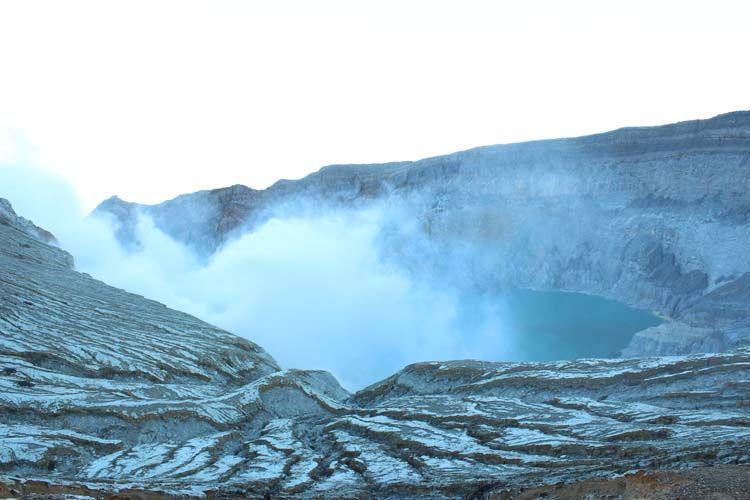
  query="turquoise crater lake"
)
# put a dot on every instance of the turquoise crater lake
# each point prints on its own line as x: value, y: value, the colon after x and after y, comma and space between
x: 562, y: 325
x: 526, y: 325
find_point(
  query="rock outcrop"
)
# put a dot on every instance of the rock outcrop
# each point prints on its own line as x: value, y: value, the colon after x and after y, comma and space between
x: 655, y: 217
x: 103, y: 390
x: 8, y: 217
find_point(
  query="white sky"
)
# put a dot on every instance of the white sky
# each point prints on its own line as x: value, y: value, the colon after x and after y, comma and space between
x: 151, y: 99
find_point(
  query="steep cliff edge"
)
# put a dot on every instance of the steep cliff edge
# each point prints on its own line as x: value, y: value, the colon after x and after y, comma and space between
x: 103, y: 391
x: 8, y: 217
x: 655, y: 217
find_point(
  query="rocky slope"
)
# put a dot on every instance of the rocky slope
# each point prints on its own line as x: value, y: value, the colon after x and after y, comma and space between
x: 8, y: 217
x: 104, y: 391
x: 655, y: 217
x: 726, y: 482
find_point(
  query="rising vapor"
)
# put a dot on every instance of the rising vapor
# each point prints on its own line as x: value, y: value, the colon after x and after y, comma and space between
x: 316, y: 290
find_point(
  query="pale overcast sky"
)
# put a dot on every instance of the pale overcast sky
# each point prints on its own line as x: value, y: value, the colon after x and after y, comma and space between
x: 155, y: 98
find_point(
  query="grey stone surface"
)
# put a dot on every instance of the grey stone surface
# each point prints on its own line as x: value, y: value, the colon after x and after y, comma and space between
x: 8, y: 217
x: 674, y: 338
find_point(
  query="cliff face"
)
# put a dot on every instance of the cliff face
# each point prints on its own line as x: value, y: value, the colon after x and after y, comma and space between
x: 202, y: 220
x: 656, y: 217
x: 102, y: 390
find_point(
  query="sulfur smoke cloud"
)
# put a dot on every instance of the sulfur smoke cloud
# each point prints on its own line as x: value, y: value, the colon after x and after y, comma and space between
x: 315, y: 289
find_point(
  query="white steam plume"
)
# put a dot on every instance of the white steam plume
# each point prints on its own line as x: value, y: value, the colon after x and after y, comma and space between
x: 313, y: 290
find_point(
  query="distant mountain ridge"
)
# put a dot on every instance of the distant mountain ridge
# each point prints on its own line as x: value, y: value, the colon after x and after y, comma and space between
x: 655, y: 217
x: 232, y: 206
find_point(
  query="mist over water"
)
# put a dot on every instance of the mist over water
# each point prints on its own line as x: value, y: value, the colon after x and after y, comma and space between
x: 332, y: 289
x: 315, y: 292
